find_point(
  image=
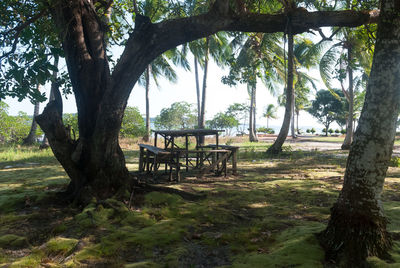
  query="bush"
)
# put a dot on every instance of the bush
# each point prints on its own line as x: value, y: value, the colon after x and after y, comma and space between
x: 133, y: 123
x: 337, y: 131
x: 343, y: 131
x: 330, y: 131
x: 308, y: 130
x: 265, y: 130
x: 313, y: 130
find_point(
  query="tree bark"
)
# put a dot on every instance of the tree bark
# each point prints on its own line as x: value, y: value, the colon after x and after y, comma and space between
x: 276, y: 147
x: 357, y: 227
x: 147, y: 78
x: 349, y: 125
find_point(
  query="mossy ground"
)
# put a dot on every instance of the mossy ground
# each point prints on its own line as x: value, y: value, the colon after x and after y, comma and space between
x: 267, y: 216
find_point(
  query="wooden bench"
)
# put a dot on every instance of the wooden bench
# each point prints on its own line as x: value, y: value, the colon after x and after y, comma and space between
x: 151, y: 157
x: 233, y: 156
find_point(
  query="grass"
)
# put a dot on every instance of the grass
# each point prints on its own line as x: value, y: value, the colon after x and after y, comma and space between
x: 267, y: 216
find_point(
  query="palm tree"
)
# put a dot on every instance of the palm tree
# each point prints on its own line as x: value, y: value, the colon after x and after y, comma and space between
x: 217, y: 47
x: 347, y: 54
x: 260, y: 56
x: 270, y: 113
x: 161, y: 65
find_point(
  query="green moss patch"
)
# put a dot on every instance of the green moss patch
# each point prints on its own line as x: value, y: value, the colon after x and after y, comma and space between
x: 13, y: 241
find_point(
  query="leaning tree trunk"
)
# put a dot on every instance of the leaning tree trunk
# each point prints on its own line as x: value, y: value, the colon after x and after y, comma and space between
x: 30, y: 139
x: 252, y: 135
x: 276, y: 147
x: 147, y: 78
x: 357, y: 227
x: 349, y: 126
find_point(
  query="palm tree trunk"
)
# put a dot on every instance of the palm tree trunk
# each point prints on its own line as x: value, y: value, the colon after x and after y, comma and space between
x: 196, y: 77
x: 349, y: 126
x: 203, y: 95
x: 357, y: 227
x: 293, y: 130
x: 147, y: 80
x: 252, y: 122
x: 276, y: 147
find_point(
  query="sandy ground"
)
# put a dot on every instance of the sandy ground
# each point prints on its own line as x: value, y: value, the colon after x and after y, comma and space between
x: 304, y: 143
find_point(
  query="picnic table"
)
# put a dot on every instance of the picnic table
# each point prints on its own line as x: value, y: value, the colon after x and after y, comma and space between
x: 205, y: 158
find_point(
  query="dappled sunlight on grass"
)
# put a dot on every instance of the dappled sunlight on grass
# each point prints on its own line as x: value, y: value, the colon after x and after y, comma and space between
x: 267, y: 216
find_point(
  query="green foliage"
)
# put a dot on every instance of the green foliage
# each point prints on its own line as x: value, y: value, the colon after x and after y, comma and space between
x: 313, y: 130
x: 240, y: 111
x: 14, y: 129
x: 179, y: 115
x: 133, y: 123
x: 266, y: 130
x: 71, y: 121
x: 223, y: 121
x: 327, y: 108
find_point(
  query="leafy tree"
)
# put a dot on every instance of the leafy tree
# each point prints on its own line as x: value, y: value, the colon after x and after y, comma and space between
x: 240, y: 112
x: 179, y: 115
x: 270, y: 112
x: 133, y: 124
x: 327, y: 108
x: 223, y: 121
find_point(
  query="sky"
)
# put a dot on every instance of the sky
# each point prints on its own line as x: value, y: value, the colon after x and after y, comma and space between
x: 219, y: 97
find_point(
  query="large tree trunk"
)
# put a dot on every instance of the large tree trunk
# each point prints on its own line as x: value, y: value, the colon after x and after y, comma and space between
x: 95, y: 162
x: 349, y: 124
x: 357, y: 227
x: 31, y: 138
x: 147, y: 78
x: 276, y: 147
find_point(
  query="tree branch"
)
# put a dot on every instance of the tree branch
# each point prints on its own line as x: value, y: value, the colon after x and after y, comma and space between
x: 18, y: 29
x: 150, y: 40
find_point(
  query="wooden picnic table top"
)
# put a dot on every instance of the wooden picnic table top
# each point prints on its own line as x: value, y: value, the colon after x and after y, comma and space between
x: 188, y: 132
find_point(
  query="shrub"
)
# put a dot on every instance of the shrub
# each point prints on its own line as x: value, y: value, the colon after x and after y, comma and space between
x: 330, y: 131
x: 308, y: 130
x: 343, y: 131
x: 337, y: 131
x: 313, y: 130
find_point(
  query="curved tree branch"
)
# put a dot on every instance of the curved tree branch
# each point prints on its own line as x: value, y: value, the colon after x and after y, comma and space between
x: 149, y: 40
